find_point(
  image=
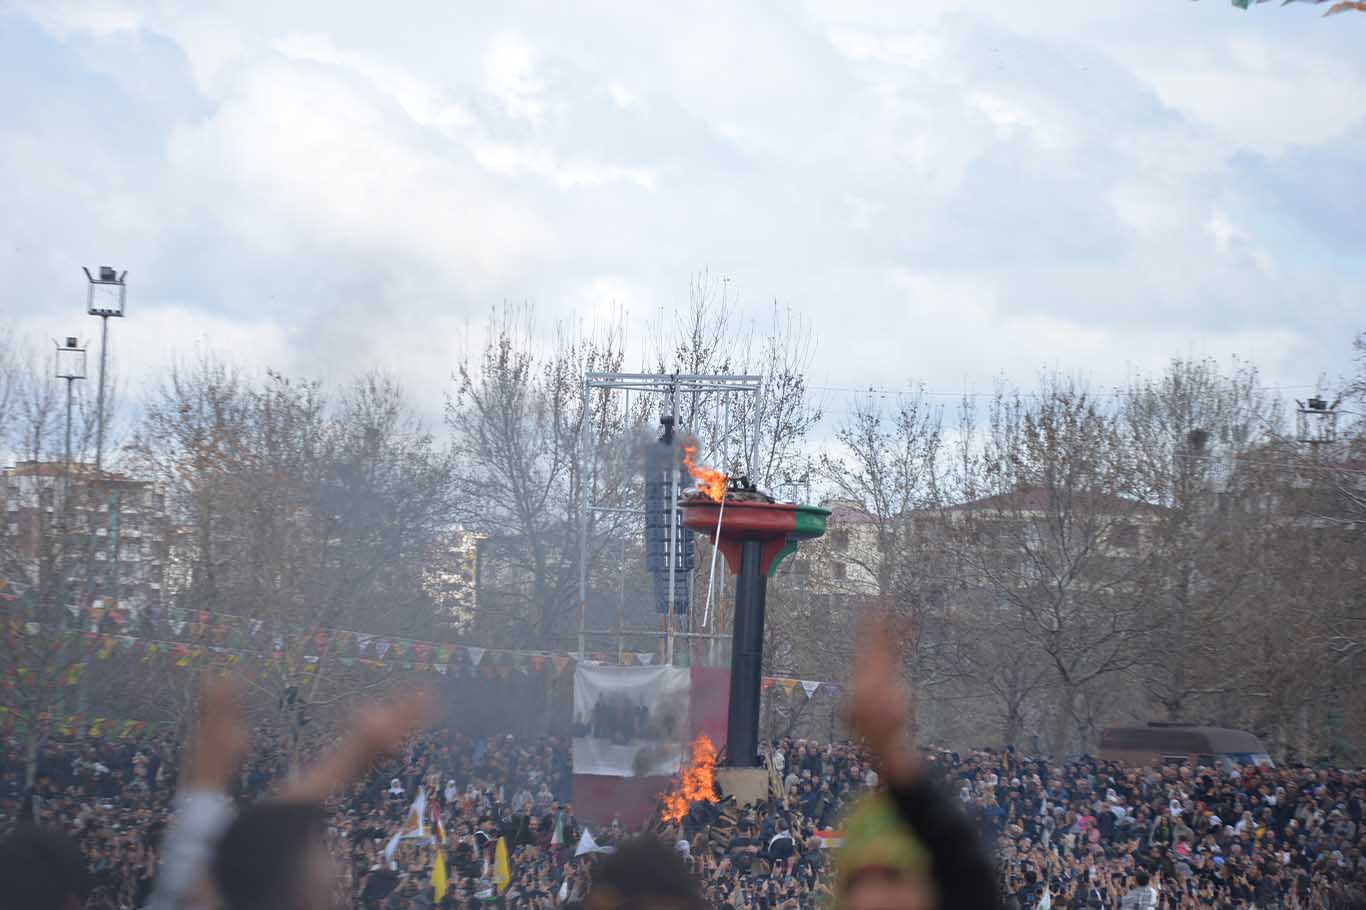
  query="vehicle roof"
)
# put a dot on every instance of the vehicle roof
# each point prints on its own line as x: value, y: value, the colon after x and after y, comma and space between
x: 1192, y: 739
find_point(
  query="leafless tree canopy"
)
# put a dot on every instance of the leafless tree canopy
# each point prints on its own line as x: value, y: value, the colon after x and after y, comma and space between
x: 1061, y: 557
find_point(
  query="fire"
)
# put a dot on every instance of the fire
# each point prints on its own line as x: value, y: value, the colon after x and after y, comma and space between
x: 694, y: 781
x: 709, y: 481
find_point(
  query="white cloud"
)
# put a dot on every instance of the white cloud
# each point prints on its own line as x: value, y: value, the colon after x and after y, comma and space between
x: 945, y: 192
x: 1252, y: 94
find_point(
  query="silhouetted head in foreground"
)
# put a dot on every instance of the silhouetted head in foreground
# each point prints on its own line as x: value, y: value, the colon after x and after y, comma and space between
x: 274, y: 857
x: 42, y: 870
x: 644, y: 874
x: 882, y: 865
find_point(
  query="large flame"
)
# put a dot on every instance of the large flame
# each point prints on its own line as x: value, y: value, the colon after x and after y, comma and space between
x: 695, y: 781
x: 709, y: 481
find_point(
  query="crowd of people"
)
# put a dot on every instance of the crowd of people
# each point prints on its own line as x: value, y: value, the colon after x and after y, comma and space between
x: 1089, y: 834
x: 1079, y: 835
x: 396, y: 819
x: 115, y: 797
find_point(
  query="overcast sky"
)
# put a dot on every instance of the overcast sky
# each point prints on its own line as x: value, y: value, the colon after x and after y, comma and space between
x: 963, y: 191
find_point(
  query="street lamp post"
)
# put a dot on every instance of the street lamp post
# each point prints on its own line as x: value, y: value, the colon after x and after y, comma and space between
x: 71, y: 367
x: 105, y: 297
x: 1317, y: 421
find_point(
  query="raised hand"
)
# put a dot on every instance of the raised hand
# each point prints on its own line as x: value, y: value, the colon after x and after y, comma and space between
x: 379, y: 728
x: 880, y: 705
x: 222, y: 738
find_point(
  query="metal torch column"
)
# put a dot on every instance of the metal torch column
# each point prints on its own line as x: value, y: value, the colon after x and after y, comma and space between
x: 747, y: 652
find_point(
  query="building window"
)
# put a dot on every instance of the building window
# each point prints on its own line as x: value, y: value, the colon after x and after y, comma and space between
x: 838, y: 570
x: 839, y: 539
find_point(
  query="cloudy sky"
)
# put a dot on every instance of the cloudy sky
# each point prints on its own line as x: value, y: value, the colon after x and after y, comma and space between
x: 963, y: 191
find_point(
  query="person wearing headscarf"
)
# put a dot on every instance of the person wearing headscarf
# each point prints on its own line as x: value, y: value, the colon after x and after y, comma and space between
x: 881, y: 863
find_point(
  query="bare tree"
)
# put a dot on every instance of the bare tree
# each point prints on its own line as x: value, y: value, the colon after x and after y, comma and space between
x: 1049, y: 538
x: 42, y: 544
x: 11, y: 377
x: 516, y: 420
x: 304, y: 512
x: 1186, y: 430
x: 762, y: 435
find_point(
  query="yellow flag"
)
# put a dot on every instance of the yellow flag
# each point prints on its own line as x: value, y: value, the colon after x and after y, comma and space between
x: 502, y: 872
x: 439, y: 874
x: 439, y: 865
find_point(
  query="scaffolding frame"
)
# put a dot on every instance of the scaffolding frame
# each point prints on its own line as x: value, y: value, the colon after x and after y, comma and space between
x: 670, y: 386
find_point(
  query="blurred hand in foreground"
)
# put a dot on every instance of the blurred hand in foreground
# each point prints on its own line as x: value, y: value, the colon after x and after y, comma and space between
x: 222, y: 738
x: 880, y: 703
x: 378, y: 729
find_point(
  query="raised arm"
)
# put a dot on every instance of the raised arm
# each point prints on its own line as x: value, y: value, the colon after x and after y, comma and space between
x: 879, y: 709
x: 202, y: 808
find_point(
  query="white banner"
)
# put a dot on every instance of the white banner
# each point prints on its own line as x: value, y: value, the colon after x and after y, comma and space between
x: 629, y: 721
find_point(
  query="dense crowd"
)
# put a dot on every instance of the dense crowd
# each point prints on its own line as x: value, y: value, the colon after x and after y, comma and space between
x: 115, y: 797
x: 1078, y: 835
x: 1091, y: 834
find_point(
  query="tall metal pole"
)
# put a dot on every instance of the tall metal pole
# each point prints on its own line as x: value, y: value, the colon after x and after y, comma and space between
x: 66, y: 493
x: 99, y: 431
x: 584, y: 499
x: 673, y: 528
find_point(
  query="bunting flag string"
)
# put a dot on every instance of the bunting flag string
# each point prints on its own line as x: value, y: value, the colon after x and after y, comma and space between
x: 102, y: 646
x: 362, y: 647
x: 13, y: 721
x: 233, y: 637
x: 809, y: 686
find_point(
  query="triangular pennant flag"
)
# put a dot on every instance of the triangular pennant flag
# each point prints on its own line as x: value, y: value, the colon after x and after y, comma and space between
x: 440, y: 668
x: 646, y: 657
x: 560, y: 663
x: 788, y: 685
x: 588, y: 845
x: 766, y: 683
x: 810, y: 686
x: 476, y: 655
x: 383, y: 646
x: 177, y: 626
